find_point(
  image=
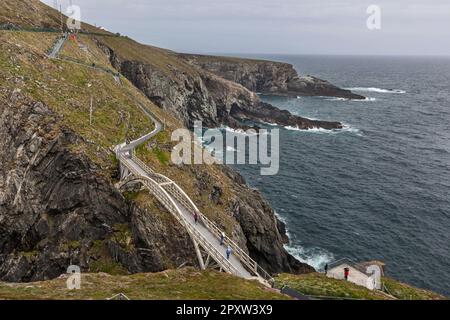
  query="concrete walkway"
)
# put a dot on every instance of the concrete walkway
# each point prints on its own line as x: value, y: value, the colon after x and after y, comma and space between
x: 208, y: 235
x: 54, y: 52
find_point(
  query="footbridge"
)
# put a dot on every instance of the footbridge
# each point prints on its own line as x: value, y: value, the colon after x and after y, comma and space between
x: 204, y: 233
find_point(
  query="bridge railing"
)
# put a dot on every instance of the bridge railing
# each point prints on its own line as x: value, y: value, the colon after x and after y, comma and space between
x: 178, y: 193
x: 168, y: 202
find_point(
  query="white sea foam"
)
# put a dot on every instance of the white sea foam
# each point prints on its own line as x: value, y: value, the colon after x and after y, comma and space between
x: 366, y: 99
x: 337, y: 99
x: 346, y: 128
x: 273, y: 124
x: 378, y: 90
x: 356, y: 100
x: 315, y: 257
x: 239, y: 131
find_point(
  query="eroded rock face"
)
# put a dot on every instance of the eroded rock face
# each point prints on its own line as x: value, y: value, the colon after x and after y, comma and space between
x: 268, y: 77
x: 265, y: 236
x: 204, y: 95
x: 58, y: 209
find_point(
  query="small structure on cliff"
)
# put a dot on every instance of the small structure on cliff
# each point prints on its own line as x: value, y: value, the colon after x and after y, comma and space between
x: 366, y: 274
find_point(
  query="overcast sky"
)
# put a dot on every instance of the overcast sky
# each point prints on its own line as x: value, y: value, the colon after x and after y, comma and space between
x: 410, y: 27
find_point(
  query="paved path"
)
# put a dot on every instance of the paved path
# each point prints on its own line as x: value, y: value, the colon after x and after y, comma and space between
x: 216, y: 243
x: 54, y: 52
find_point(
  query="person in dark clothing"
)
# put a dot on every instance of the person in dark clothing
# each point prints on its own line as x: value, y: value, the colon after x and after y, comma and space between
x: 222, y: 238
x: 196, y: 217
x: 326, y: 269
x: 229, y: 251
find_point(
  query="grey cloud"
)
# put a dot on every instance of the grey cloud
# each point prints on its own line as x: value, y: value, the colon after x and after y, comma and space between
x: 285, y: 26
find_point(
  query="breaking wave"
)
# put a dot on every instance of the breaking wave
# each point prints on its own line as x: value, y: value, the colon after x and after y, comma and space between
x: 346, y: 128
x: 356, y: 100
x: 315, y: 257
x: 378, y: 90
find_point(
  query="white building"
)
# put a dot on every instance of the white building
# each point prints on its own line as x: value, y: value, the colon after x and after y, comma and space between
x: 365, y: 274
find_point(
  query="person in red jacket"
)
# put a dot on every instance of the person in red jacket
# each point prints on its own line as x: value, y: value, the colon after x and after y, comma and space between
x: 346, y: 273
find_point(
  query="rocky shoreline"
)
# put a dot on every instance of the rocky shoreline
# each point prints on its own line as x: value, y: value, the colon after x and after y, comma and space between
x: 268, y: 77
x: 194, y: 92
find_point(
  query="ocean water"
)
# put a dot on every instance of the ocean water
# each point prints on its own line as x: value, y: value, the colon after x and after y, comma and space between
x: 380, y: 188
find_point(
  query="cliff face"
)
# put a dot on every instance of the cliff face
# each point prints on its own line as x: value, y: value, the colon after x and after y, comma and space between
x: 58, y: 203
x: 268, y: 77
x: 193, y: 93
x: 265, y: 234
x: 57, y: 209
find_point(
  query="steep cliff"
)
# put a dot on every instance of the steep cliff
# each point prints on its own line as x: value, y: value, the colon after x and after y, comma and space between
x: 267, y: 77
x: 58, y: 208
x: 193, y: 93
x: 58, y: 203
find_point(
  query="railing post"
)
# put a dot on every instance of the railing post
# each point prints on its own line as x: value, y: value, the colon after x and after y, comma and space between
x: 199, y: 254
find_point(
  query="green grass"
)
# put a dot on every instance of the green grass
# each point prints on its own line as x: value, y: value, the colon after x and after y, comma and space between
x: 107, y: 266
x: 316, y: 284
x: 162, y: 60
x: 162, y: 156
x: 67, y: 89
x: 406, y: 292
x: 35, y: 14
x: 169, y: 285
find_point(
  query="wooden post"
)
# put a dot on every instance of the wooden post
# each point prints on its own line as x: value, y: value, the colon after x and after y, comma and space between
x: 199, y: 255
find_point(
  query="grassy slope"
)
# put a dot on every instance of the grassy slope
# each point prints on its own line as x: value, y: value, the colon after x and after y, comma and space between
x: 406, y: 292
x: 222, y: 59
x: 162, y: 59
x: 317, y: 284
x: 157, y: 152
x: 35, y: 14
x: 67, y: 88
x: 174, y: 284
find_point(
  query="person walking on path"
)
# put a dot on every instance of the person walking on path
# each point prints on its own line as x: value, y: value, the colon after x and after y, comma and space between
x: 196, y: 217
x: 229, y: 251
x: 222, y: 238
x: 326, y: 269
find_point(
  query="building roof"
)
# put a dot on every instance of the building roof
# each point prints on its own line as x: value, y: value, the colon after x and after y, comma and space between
x: 360, y: 266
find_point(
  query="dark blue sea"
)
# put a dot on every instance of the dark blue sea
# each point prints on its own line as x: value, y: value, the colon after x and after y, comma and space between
x: 379, y: 189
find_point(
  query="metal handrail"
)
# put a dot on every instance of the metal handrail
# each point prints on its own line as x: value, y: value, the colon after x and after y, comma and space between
x: 172, y: 206
x: 251, y: 264
x: 173, y: 189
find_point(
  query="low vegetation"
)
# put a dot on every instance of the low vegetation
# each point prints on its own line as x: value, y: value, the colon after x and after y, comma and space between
x: 406, y: 292
x: 68, y: 89
x: 169, y: 285
x: 318, y: 285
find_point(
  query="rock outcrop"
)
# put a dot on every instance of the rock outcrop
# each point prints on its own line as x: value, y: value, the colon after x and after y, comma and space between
x: 195, y: 94
x: 268, y: 77
x: 57, y: 208
x: 265, y: 235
